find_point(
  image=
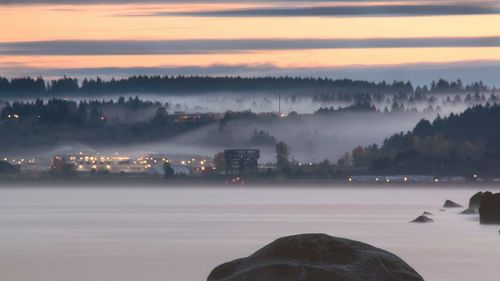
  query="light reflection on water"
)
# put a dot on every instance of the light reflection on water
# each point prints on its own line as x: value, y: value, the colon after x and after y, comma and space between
x: 180, y: 234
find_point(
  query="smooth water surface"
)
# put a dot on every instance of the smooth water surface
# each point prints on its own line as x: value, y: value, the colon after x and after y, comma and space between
x: 180, y: 234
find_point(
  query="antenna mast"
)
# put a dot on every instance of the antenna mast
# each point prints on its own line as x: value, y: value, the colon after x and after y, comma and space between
x: 279, y: 105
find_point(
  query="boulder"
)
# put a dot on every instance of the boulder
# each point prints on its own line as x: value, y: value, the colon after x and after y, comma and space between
x: 451, y: 204
x: 423, y: 219
x: 489, y: 211
x: 475, y: 200
x: 316, y: 257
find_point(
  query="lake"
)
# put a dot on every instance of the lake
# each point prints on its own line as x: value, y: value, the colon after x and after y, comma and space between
x: 180, y: 234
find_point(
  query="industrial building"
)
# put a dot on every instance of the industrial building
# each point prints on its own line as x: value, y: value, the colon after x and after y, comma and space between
x: 241, y: 161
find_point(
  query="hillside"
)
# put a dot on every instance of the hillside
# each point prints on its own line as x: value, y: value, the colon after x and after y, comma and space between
x: 459, y: 144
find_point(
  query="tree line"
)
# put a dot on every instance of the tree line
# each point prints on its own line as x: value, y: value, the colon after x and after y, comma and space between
x: 466, y: 143
x: 85, y: 112
x: 33, y: 87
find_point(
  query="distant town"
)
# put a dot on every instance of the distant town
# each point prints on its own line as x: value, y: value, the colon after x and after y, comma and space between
x: 233, y: 167
x: 288, y: 130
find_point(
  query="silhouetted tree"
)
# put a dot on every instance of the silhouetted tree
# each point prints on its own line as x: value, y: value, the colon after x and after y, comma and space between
x: 282, y: 155
x: 168, y: 170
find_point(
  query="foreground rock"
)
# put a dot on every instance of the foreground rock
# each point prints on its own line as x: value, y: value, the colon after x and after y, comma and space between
x: 475, y: 200
x: 316, y: 257
x: 451, y: 204
x: 423, y: 219
x: 489, y: 211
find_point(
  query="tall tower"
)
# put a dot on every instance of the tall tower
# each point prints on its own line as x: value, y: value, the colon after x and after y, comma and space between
x: 279, y: 105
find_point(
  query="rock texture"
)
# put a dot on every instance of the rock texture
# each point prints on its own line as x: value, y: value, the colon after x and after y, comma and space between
x: 489, y: 211
x: 316, y: 257
x: 475, y: 200
x: 423, y: 219
x: 451, y: 204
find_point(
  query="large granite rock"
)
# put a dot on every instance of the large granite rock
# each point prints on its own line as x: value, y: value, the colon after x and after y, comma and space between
x: 316, y: 257
x: 489, y: 211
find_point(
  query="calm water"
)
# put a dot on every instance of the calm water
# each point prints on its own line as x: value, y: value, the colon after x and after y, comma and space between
x: 149, y: 234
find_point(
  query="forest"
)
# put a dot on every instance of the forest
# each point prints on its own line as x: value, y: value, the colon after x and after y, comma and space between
x: 68, y: 86
x: 59, y: 121
x: 85, y: 112
x: 459, y: 144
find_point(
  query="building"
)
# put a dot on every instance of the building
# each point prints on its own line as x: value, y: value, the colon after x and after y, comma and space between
x: 24, y: 165
x: 63, y: 165
x: 89, y: 163
x: 181, y: 170
x: 183, y: 164
x: 241, y: 161
x: 181, y: 117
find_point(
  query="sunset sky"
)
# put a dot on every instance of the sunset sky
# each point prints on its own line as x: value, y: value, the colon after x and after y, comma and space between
x: 361, y: 39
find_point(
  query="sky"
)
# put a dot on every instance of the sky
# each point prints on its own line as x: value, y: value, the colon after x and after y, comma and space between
x: 416, y: 40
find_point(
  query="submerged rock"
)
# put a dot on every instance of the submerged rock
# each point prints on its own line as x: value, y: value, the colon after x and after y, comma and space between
x: 316, y: 257
x: 451, y: 204
x: 468, y: 212
x: 489, y: 211
x: 423, y: 219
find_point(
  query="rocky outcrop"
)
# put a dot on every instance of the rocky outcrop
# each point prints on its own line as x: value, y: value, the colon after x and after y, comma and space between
x: 316, y: 257
x: 427, y: 213
x: 451, y: 204
x: 475, y: 200
x: 489, y: 211
x: 423, y: 219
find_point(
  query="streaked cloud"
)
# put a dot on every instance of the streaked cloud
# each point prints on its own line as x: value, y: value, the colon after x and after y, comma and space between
x: 290, y: 8
x: 159, y: 47
x: 82, y: 2
x: 246, y: 37
x: 386, y: 10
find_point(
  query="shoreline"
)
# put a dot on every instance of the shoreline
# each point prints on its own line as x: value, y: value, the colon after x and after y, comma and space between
x: 6, y: 182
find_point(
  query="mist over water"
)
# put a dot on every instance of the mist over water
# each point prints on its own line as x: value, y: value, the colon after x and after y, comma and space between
x: 129, y: 234
x: 311, y: 138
